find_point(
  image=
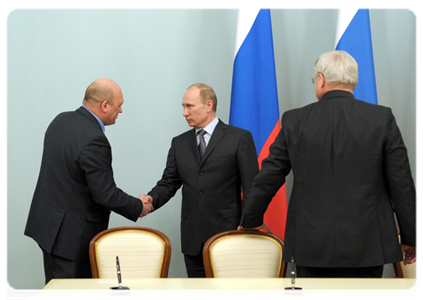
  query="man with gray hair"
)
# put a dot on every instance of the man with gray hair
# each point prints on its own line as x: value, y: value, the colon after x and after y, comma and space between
x: 351, y: 178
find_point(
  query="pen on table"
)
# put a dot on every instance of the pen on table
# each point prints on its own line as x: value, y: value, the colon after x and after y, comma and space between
x: 293, y: 273
x: 118, y: 271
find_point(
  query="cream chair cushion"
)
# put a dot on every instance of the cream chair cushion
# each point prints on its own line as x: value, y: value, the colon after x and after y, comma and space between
x: 140, y: 254
x: 412, y: 270
x: 246, y: 256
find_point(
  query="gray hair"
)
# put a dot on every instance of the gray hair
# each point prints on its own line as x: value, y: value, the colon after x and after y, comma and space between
x: 339, y: 68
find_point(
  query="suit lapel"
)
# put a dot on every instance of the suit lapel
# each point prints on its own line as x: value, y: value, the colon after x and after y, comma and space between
x: 192, y: 140
x: 217, y: 135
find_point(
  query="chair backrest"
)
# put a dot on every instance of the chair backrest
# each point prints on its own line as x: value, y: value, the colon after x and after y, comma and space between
x: 143, y: 253
x: 242, y: 254
x: 404, y: 271
x: 410, y: 270
x: 399, y: 269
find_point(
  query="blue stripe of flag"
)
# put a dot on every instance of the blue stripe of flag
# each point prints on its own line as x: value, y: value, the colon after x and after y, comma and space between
x: 254, y: 99
x: 357, y: 41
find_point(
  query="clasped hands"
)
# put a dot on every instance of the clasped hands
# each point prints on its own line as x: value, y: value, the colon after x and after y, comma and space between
x: 147, y: 202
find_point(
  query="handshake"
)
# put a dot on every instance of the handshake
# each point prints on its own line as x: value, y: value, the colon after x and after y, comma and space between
x: 147, y: 202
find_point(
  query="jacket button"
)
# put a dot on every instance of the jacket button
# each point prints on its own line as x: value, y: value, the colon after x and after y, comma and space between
x: 201, y: 192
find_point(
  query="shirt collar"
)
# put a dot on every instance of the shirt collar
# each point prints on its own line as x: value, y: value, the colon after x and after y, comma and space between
x: 210, y: 127
x: 98, y: 119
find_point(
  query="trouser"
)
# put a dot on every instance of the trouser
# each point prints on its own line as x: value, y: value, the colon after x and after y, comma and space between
x: 195, y: 265
x: 367, y: 272
x: 59, y: 267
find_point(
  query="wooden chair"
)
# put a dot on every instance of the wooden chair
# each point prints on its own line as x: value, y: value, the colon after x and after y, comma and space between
x: 404, y: 271
x: 143, y: 253
x: 242, y: 254
x: 399, y: 269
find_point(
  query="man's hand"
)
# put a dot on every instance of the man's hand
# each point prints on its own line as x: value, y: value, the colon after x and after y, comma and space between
x: 147, y: 207
x: 409, y: 254
x: 261, y: 227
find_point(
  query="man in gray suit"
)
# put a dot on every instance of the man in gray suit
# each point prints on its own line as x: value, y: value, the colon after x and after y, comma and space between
x: 351, y: 176
x: 212, y: 181
x: 76, y: 191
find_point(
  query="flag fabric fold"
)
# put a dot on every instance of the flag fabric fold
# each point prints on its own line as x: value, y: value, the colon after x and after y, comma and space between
x: 254, y: 97
x: 354, y: 36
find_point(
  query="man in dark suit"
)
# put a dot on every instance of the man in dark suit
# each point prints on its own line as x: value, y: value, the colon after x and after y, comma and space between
x: 351, y: 175
x: 212, y: 182
x: 76, y: 191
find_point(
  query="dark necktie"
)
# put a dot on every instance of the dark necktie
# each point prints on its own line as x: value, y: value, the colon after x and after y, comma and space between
x: 202, y: 144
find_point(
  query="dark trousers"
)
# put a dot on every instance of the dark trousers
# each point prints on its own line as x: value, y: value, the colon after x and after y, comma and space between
x: 368, y: 272
x: 195, y: 266
x: 59, y: 267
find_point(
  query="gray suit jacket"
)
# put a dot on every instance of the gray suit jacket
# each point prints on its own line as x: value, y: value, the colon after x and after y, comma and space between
x: 351, y: 172
x: 211, y: 188
x: 75, y: 191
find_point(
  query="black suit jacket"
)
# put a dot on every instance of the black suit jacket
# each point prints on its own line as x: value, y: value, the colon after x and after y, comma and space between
x: 351, y: 172
x: 75, y: 191
x: 211, y: 192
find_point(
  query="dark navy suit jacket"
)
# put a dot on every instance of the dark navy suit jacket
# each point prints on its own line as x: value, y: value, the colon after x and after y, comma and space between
x: 351, y: 172
x: 75, y: 191
x: 211, y: 188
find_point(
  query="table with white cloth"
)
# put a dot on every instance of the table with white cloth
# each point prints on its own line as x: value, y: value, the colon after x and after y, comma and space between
x: 229, y: 288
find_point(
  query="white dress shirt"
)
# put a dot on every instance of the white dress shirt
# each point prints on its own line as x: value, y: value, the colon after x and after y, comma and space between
x: 209, y: 131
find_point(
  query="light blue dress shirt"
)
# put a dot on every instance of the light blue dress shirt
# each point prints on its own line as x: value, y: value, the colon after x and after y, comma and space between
x: 98, y: 119
x: 209, y: 131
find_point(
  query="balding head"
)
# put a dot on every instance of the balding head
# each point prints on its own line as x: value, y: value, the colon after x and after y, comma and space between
x: 104, y: 98
x: 100, y: 90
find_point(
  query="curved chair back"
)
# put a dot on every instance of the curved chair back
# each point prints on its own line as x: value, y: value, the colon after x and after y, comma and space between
x: 143, y: 253
x: 404, y: 271
x: 409, y: 270
x: 244, y: 253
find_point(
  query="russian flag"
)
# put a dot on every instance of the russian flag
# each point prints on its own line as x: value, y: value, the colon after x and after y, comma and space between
x: 353, y: 35
x: 254, y: 98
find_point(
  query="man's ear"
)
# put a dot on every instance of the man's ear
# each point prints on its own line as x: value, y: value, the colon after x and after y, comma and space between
x: 103, y: 106
x: 209, y: 105
x: 322, y: 82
